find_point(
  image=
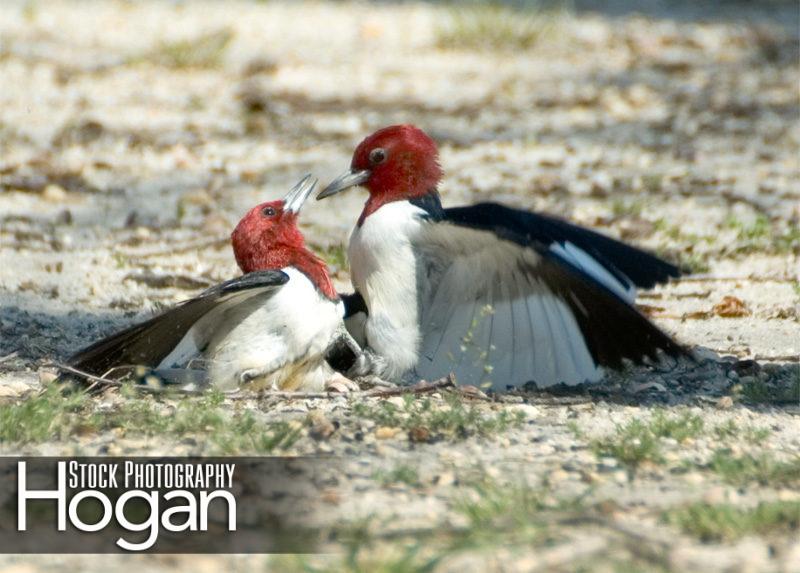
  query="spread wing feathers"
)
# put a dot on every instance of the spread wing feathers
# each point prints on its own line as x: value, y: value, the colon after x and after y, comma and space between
x: 150, y: 342
x: 502, y: 314
x: 618, y: 266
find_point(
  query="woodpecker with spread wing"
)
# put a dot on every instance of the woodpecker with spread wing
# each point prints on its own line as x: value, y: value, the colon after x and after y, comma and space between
x: 279, y: 326
x: 499, y: 296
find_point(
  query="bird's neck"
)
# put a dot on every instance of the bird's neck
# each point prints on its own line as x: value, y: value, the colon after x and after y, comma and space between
x: 279, y: 256
x: 316, y: 270
x: 429, y: 201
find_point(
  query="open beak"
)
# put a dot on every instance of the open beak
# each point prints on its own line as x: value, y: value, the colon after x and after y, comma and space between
x: 297, y: 196
x: 352, y: 178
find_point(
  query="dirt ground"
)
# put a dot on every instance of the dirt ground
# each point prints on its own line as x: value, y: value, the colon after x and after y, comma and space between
x: 133, y: 135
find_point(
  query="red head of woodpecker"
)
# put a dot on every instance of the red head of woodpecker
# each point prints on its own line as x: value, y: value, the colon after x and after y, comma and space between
x: 499, y: 296
x: 394, y: 163
x: 267, y: 238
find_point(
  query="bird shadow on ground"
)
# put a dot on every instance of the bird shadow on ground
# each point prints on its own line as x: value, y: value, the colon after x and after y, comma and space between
x: 31, y: 338
x: 719, y: 381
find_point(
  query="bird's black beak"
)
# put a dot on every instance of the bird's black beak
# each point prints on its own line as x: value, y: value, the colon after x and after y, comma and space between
x: 352, y: 178
x: 299, y: 193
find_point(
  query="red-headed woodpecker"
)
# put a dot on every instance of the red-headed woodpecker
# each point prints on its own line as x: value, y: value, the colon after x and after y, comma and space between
x: 273, y: 327
x: 496, y: 295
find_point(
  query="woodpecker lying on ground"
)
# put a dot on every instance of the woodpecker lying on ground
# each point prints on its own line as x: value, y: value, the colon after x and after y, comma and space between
x: 272, y: 327
x: 497, y: 295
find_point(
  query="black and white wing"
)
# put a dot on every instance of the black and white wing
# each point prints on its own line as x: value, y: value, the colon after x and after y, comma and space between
x: 505, y: 308
x: 182, y: 330
x: 618, y: 266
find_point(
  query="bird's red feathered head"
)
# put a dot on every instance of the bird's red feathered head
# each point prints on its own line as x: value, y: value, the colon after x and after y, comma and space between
x: 267, y: 238
x: 394, y: 163
x: 268, y: 234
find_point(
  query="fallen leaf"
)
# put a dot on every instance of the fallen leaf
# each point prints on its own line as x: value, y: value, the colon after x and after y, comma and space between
x: 419, y: 434
x: 731, y: 307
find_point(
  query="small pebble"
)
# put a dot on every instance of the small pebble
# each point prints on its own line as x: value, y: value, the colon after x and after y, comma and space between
x: 620, y: 476
x: 725, y: 403
x: 385, y: 433
x: 47, y: 377
x: 54, y: 193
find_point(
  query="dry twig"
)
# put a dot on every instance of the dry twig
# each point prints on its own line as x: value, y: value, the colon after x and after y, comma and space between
x: 421, y: 387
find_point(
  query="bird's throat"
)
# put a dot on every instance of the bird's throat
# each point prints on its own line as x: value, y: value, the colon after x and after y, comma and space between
x: 317, y: 272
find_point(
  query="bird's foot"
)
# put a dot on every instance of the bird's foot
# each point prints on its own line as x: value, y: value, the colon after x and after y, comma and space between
x: 339, y: 383
x: 368, y: 363
x: 372, y: 381
x: 247, y: 376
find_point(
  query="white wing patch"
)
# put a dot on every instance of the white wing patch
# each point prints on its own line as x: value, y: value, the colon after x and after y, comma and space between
x: 491, y: 323
x: 230, y: 310
x: 585, y: 262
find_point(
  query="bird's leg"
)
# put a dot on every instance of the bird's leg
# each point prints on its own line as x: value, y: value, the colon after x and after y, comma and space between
x: 369, y: 368
x: 367, y: 363
x: 372, y: 381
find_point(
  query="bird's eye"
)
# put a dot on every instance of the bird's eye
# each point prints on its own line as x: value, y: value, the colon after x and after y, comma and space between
x: 377, y: 155
x: 268, y: 212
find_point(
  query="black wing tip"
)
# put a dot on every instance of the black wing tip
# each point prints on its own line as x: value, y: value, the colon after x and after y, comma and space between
x: 98, y: 357
x: 99, y: 360
x: 660, y: 272
x: 652, y: 350
x: 250, y: 280
x: 657, y: 345
x: 644, y: 341
x: 614, y: 331
x: 662, y: 269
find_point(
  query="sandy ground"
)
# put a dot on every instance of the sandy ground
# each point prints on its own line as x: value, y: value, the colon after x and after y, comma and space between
x: 126, y: 157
